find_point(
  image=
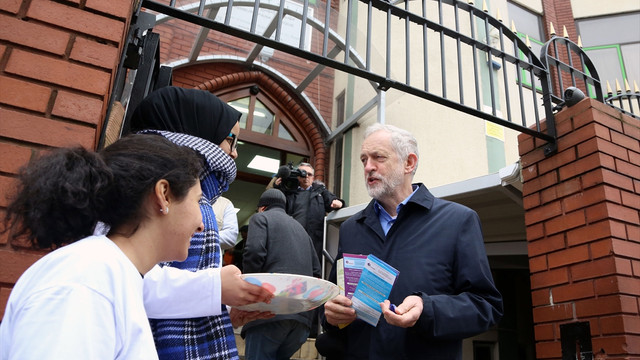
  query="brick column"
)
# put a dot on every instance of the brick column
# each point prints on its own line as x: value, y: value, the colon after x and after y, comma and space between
x: 582, y: 210
x: 560, y: 14
x: 58, y: 61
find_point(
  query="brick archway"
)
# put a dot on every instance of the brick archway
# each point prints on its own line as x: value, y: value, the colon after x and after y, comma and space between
x: 301, y: 116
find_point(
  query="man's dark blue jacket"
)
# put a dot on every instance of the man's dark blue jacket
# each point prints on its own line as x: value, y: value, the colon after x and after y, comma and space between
x: 437, y: 246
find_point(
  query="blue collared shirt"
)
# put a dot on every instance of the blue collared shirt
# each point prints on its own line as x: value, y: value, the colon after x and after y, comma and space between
x: 386, y: 220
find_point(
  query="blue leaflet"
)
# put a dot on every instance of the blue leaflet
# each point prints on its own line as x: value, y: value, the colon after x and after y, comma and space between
x: 373, y: 288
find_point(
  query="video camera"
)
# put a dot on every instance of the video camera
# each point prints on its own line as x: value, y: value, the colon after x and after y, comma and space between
x: 289, y: 176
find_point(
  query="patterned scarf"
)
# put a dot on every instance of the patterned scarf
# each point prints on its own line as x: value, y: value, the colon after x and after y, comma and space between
x: 209, y: 337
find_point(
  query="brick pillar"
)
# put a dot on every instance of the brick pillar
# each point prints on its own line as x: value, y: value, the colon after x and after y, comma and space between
x: 582, y: 210
x: 560, y: 14
x: 58, y: 61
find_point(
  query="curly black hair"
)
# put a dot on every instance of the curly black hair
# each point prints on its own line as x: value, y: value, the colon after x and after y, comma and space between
x: 62, y: 195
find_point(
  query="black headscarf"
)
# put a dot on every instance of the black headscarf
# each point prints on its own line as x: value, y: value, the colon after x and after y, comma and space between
x: 188, y: 111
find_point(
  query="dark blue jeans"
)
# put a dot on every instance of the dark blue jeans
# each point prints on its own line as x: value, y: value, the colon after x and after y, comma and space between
x: 276, y: 340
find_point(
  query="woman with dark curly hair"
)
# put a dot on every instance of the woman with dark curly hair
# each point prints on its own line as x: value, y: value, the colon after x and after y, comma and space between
x: 84, y: 300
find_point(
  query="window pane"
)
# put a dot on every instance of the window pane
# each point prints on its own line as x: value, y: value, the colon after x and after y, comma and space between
x: 294, y: 159
x: 262, y: 119
x: 596, y: 32
x: 631, y: 58
x: 242, y: 105
x: 526, y: 21
x: 257, y: 159
x: 607, y: 65
x: 340, y: 106
x: 283, y: 133
x: 536, y: 47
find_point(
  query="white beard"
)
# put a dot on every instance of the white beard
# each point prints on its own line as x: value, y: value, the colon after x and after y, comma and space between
x: 388, y: 185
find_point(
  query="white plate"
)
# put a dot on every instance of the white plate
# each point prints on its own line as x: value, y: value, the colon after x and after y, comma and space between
x: 293, y: 293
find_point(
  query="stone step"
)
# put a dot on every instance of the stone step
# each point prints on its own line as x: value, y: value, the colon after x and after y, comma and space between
x: 306, y: 352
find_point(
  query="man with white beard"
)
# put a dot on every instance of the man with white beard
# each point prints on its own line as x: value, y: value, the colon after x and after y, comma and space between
x: 444, y: 290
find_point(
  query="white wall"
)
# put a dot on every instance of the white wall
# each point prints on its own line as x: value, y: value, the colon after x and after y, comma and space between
x: 590, y: 8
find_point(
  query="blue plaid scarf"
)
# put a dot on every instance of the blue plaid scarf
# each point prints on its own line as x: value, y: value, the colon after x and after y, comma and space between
x: 209, y: 337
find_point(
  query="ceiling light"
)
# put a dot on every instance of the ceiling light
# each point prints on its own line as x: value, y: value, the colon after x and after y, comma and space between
x: 264, y: 164
x: 240, y: 108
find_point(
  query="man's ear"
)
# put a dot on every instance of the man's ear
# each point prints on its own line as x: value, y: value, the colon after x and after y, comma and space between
x: 162, y: 194
x: 411, y: 163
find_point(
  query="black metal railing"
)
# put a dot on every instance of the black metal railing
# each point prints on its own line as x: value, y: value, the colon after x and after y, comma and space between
x: 628, y: 102
x: 578, y: 70
x: 469, y: 60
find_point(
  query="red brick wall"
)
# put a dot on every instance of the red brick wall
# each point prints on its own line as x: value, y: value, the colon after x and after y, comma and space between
x: 582, y: 209
x: 560, y: 14
x: 57, y: 63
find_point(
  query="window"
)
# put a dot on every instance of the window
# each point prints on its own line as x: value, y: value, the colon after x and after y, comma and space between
x: 615, y: 53
x: 527, y: 24
x: 262, y: 119
x: 261, y: 116
x: 269, y: 138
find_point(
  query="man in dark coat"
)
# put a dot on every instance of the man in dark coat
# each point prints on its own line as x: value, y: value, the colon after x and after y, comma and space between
x: 444, y: 291
x: 276, y: 243
x: 309, y: 204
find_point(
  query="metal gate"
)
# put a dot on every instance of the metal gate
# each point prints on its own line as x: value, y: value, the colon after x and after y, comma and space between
x: 522, y: 88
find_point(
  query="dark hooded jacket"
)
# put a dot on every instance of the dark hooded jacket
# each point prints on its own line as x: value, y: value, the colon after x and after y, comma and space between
x: 309, y: 208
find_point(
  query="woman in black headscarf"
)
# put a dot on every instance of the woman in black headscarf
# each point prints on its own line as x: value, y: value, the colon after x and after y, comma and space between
x: 201, y: 121
x: 187, y: 111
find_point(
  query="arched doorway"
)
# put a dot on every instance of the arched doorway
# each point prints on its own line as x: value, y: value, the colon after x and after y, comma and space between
x: 275, y: 130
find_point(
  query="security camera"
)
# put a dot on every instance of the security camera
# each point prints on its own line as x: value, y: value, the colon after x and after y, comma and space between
x: 572, y: 96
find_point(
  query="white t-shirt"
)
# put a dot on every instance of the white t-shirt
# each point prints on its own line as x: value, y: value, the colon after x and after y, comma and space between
x: 171, y: 293
x: 82, y: 301
x: 227, y: 221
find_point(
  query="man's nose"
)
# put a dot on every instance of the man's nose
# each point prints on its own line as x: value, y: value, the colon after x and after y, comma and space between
x: 368, y: 166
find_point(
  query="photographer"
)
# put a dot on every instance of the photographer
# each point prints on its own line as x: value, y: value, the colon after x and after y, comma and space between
x: 308, y: 201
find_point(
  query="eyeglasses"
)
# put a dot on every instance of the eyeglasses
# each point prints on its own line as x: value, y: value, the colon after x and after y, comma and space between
x: 233, y: 141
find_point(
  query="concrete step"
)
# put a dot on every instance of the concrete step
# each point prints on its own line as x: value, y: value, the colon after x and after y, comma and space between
x: 306, y: 352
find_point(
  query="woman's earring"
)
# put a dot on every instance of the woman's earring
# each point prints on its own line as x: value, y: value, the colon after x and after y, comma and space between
x: 166, y: 210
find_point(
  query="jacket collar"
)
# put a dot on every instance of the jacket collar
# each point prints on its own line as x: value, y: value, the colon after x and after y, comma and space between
x: 275, y: 207
x: 422, y: 197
